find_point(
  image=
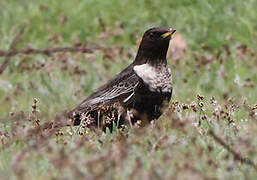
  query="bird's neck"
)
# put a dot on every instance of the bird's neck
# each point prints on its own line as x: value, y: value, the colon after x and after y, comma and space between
x: 153, y: 56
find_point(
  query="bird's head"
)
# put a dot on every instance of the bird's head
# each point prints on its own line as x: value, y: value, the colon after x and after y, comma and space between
x: 155, y: 43
x: 158, y: 35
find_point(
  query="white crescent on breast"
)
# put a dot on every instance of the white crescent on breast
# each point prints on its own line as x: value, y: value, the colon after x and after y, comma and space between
x: 158, y: 78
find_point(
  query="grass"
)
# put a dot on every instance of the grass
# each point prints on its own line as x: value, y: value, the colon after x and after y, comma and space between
x: 219, y: 59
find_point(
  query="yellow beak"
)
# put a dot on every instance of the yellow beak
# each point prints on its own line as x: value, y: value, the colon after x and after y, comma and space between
x: 169, y: 33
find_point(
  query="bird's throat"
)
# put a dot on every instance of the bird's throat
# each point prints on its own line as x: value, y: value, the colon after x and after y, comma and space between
x: 152, y: 55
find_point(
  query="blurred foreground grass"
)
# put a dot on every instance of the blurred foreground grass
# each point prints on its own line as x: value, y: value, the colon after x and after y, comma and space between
x: 213, y: 54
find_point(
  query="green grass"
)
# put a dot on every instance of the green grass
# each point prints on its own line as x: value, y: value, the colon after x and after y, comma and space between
x: 174, y: 146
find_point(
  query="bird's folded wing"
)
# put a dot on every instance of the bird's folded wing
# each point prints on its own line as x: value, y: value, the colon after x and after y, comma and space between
x: 117, y: 90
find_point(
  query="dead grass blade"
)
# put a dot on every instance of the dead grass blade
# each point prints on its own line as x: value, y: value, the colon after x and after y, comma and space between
x: 81, y: 49
x: 12, y: 47
x: 237, y: 156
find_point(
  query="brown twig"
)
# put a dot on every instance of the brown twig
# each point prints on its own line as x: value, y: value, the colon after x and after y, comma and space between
x: 49, y: 51
x: 13, y: 52
x: 12, y: 47
x: 237, y: 156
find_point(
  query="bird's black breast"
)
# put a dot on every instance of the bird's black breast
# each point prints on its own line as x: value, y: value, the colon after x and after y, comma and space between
x: 149, y: 103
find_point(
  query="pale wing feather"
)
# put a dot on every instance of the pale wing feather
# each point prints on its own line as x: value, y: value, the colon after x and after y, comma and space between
x: 127, y: 86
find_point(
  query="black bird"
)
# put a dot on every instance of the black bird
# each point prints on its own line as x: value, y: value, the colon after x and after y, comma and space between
x: 140, y: 91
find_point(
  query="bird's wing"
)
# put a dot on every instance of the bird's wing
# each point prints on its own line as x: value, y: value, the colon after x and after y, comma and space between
x: 117, y: 90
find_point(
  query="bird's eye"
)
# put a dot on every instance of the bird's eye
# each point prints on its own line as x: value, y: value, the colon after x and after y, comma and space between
x: 154, y: 35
